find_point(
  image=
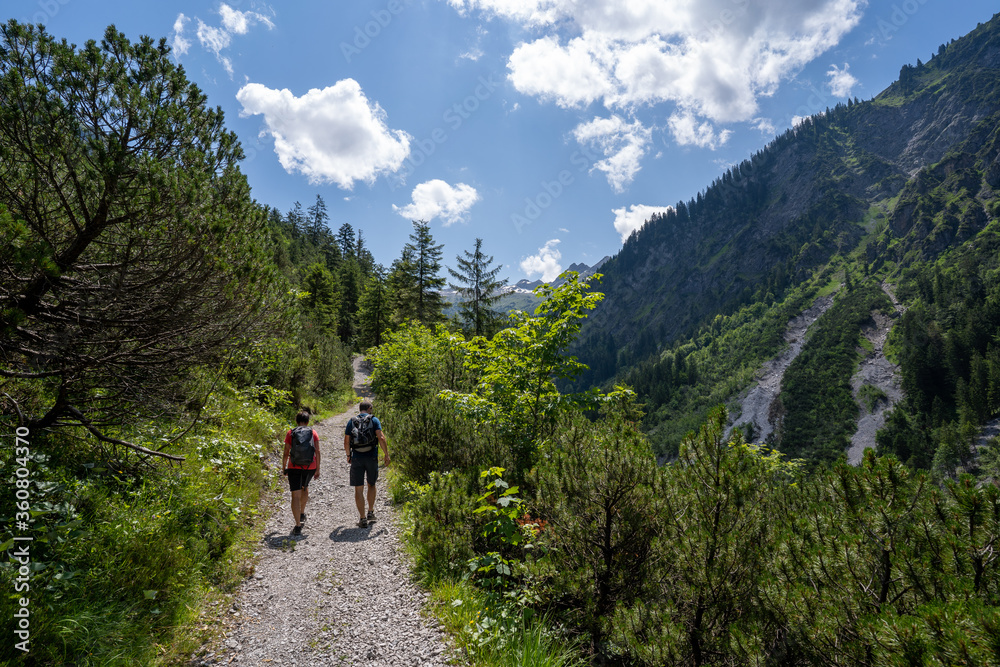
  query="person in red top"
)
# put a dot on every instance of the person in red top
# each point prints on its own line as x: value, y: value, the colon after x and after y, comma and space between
x: 299, y: 476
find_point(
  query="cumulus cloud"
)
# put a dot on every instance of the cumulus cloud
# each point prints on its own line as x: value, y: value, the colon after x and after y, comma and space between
x: 438, y: 199
x: 623, y: 145
x: 841, y: 81
x: 628, y: 219
x: 217, y: 38
x: 569, y: 75
x: 545, y: 263
x: 711, y: 61
x: 687, y: 131
x: 333, y: 135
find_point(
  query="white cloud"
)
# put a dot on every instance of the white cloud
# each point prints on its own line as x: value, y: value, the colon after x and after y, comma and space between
x: 179, y: 44
x: 545, y: 263
x: 709, y: 61
x: 437, y: 199
x: 570, y: 75
x: 238, y: 23
x: 764, y: 125
x: 623, y: 145
x: 333, y: 135
x: 628, y: 219
x: 687, y: 131
x: 841, y: 81
x: 217, y: 39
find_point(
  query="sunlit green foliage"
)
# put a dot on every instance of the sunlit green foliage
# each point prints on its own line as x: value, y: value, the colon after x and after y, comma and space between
x: 515, y: 372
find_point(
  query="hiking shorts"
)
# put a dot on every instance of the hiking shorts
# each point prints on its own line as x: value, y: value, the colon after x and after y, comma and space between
x: 298, y: 478
x: 362, y: 466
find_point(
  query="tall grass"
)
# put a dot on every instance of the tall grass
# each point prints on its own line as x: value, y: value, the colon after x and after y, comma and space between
x: 524, y: 641
x: 128, y: 558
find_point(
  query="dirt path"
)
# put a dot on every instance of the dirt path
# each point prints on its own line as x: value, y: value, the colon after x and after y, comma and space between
x: 756, y: 403
x: 337, y: 594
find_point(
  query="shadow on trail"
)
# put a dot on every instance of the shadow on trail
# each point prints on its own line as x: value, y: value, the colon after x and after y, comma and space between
x: 352, y: 534
x: 282, y: 541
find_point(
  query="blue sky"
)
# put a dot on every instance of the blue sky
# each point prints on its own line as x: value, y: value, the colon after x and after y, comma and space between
x: 550, y: 128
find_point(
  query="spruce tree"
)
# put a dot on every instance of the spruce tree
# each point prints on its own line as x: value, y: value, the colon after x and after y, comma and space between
x: 345, y: 238
x: 297, y: 220
x: 350, y: 285
x: 479, y: 290
x: 317, y: 220
x: 323, y: 300
x: 373, y: 309
x: 426, y: 266
x: 401, y: 287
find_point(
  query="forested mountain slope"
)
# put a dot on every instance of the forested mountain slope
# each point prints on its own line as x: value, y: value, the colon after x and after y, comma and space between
x: 859, y: 193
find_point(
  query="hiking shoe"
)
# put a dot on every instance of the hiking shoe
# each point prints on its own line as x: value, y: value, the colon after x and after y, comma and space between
x: 297, y: 530
x: 363, y: 523
x: 302, y: 518
x: 371, y: 516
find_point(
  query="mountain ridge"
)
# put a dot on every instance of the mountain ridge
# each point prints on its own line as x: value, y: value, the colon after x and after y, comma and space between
x: 882, y: 187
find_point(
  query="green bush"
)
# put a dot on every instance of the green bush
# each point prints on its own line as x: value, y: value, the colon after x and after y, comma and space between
x: 871, y: 396
x: 432, y: 436
x: 414, y: 362
x: 442, y: 528
x: 598, y: 502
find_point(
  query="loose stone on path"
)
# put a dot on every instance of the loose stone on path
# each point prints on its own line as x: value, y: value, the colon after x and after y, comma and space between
x: 337, y: 595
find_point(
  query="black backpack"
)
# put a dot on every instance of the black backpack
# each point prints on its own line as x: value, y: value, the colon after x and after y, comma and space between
x: 302, y: 450
x: 362, y: 433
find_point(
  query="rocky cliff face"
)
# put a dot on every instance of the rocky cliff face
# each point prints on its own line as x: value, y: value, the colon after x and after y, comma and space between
x: 813, y: 192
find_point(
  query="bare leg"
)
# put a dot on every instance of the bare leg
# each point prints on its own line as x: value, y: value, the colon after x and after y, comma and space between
x: 359, y: 500
x: 297, y: 506
x: 371, y: 497
x: 305, y: 499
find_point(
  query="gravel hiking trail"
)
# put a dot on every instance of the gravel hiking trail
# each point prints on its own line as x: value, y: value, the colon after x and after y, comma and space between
x: 337, y: 594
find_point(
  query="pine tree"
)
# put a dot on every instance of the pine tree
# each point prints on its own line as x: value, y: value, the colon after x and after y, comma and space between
x: 350, y: 289
x: 479, y: 290
x: 323, y: 301
x: 426, y: 266
x: 345, y: 238
x: 373, y: 309
x: 401, y: 288
x: 297, y: 220
x: 365, y: 258
x: 317, y: 220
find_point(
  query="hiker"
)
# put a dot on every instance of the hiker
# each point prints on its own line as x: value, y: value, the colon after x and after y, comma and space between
x: 300, y: 464
x: 362, y: 438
